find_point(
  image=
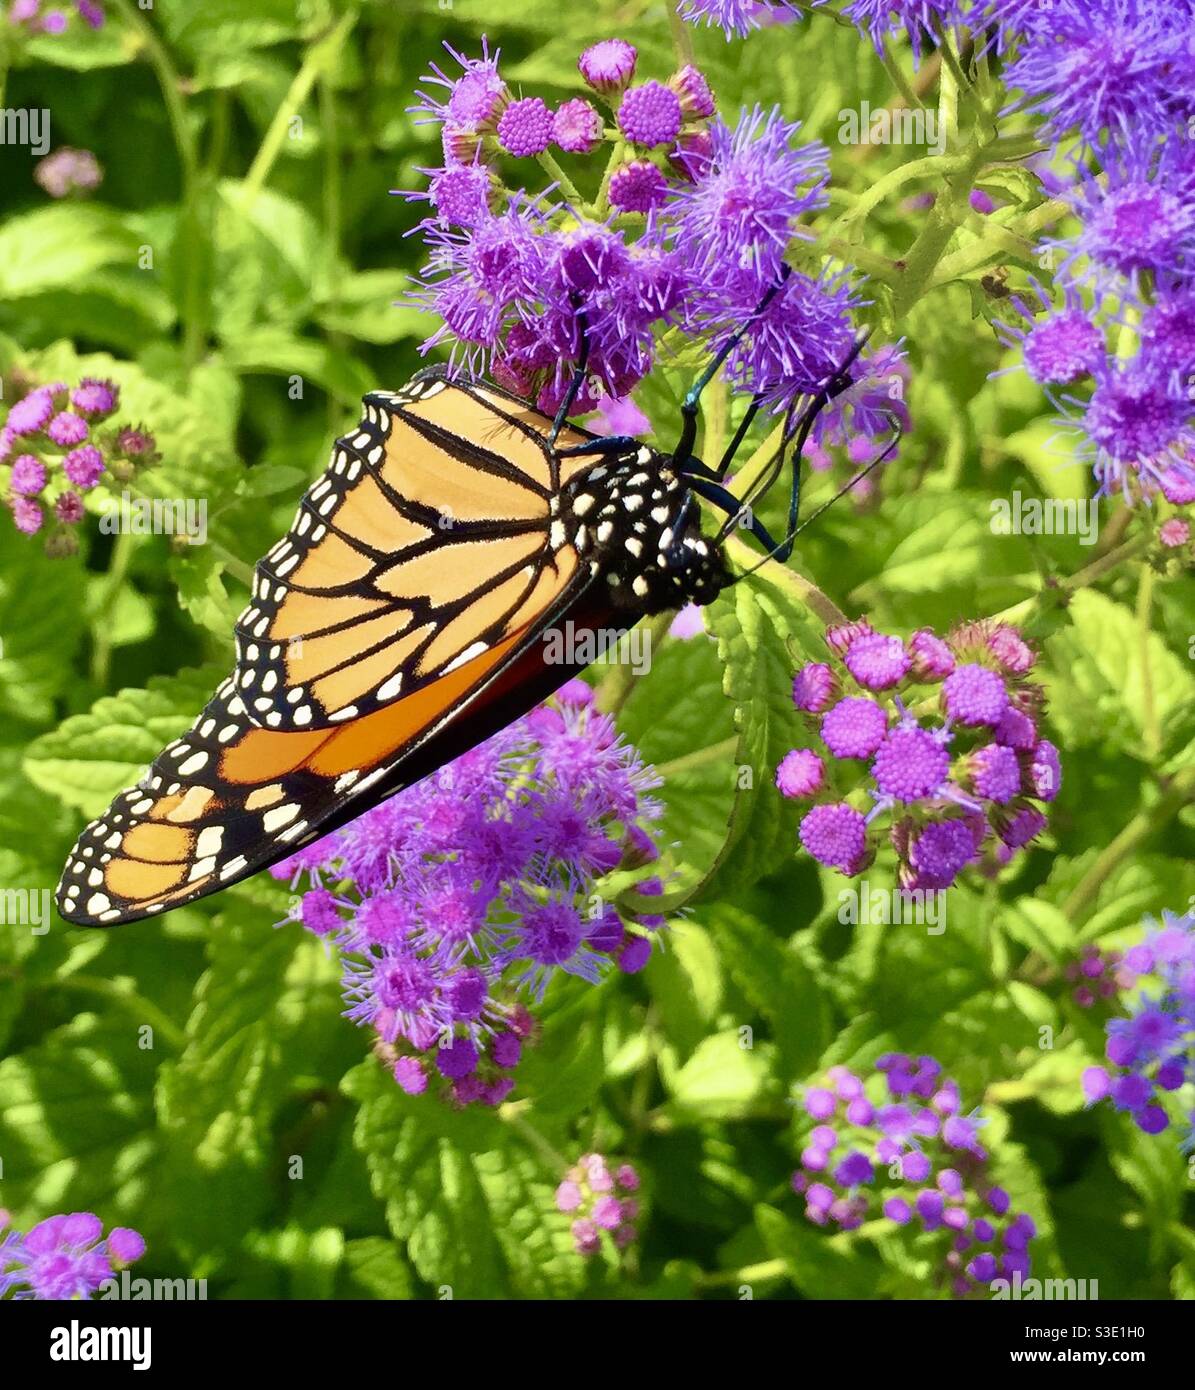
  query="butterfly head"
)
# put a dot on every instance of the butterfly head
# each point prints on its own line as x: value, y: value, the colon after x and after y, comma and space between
x: 637, y: 524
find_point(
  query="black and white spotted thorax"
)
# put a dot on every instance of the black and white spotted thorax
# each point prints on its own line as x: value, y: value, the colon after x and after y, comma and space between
x: 636, y: 524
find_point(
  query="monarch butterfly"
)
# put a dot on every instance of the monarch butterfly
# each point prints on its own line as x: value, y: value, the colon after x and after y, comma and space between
x: 399, y: 623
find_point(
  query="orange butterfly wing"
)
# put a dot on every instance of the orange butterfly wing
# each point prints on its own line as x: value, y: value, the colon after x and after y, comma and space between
x: 429, y: 538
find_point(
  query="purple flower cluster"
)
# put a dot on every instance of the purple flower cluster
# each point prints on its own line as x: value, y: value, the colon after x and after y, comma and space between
x: 35, y: 18
x: 1151, y: 1049
x: 599, y: 1199
x: 51, y: 454
x: 68, y: 171
x: 472, y: 889
x: 63, y: 1257
x: 897, y: 1145
x: 1095, y: 975
x: 1119, y: 76
x: 737, y: 18
x: 918, y: 20
x: 936, y: 738
x: 689, y: 228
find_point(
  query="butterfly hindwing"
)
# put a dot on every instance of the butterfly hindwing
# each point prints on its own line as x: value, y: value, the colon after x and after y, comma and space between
x: 228, y: 798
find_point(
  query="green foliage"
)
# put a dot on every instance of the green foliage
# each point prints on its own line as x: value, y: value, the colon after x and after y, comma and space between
x: 193, y: 1076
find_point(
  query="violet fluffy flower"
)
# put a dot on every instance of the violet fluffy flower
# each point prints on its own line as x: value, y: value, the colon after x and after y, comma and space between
x: 895, y: 1144
x: 600, y: 1199
x: 67, y: 171
x: 64, y: 1257
x: 44, y: 453
x: 519, y: 280
x: 954, y: 788
x: 609, y: 65
x: 736, y: 18
x: 917, y: 19
x: 1112, y: 70
x: 1133, y: 429
x: 475, y: 887
x: 1151, y: 1048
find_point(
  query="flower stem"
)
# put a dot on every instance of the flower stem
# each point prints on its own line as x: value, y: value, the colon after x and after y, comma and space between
x: 802, y: 590
x: 114, y: 580
x: 319, y: 55
x: 553, y: 170
x: 1081, y: 579
x: 682, y: 39
x: 1179, y: 792
x: 194, y: 308
x: 1151, y: 733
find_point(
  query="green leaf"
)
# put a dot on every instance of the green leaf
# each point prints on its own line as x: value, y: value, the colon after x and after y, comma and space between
x: 76, y: 1120
x: 364, y: 307
x: 1096, y: 683
x: 776, y: 982
x: 819, y: 1265
x: 265, y: 1010
x: 277, y: 352
x: 91, y: 757
x: 686, y: 982
x: 61, y: 246
x: 763, y: 629
x: 1056, y: 470
x: 676, y: 736
x: 373, y: 1268
x: 41, y: 621
x: 722, y: 1079
x: 473, y: 1206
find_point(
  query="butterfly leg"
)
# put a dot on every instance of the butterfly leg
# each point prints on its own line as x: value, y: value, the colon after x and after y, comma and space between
x: 736, y: 512
x: 605, y: 444
x: 688, y: 410
x: 574, y: 386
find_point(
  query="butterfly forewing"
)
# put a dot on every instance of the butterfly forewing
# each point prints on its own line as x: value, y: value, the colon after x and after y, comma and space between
x: 428, y: 540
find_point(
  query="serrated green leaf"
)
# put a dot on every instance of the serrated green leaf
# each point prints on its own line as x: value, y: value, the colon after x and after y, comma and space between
x: 763, y: 628
x: 91, y: 757
x: 76, y: 1120
x: 776, y: 982
x: 1096, y: 684
x: 472, y: 1205
x: 264, y: 1010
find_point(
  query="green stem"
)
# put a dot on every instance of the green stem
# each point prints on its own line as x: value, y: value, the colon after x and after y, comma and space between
x: 948, y: 58
x: 899, y: 80
x: 930, y: 166
x: 802, y: 590
x: 512, y: 1113
x: 1015, y: 237
x: 318, y: 56
x: 1179, y: 792
x: 682, y: 39
x: 1020, y: 613
x: 114, y: 580
x: 330, y: 132
x: 1151, y: 733
x: 236, y: 567
x: 194, y: 306
x: 879, y: 267
x: 618, y: 682
x: 553, y: 170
